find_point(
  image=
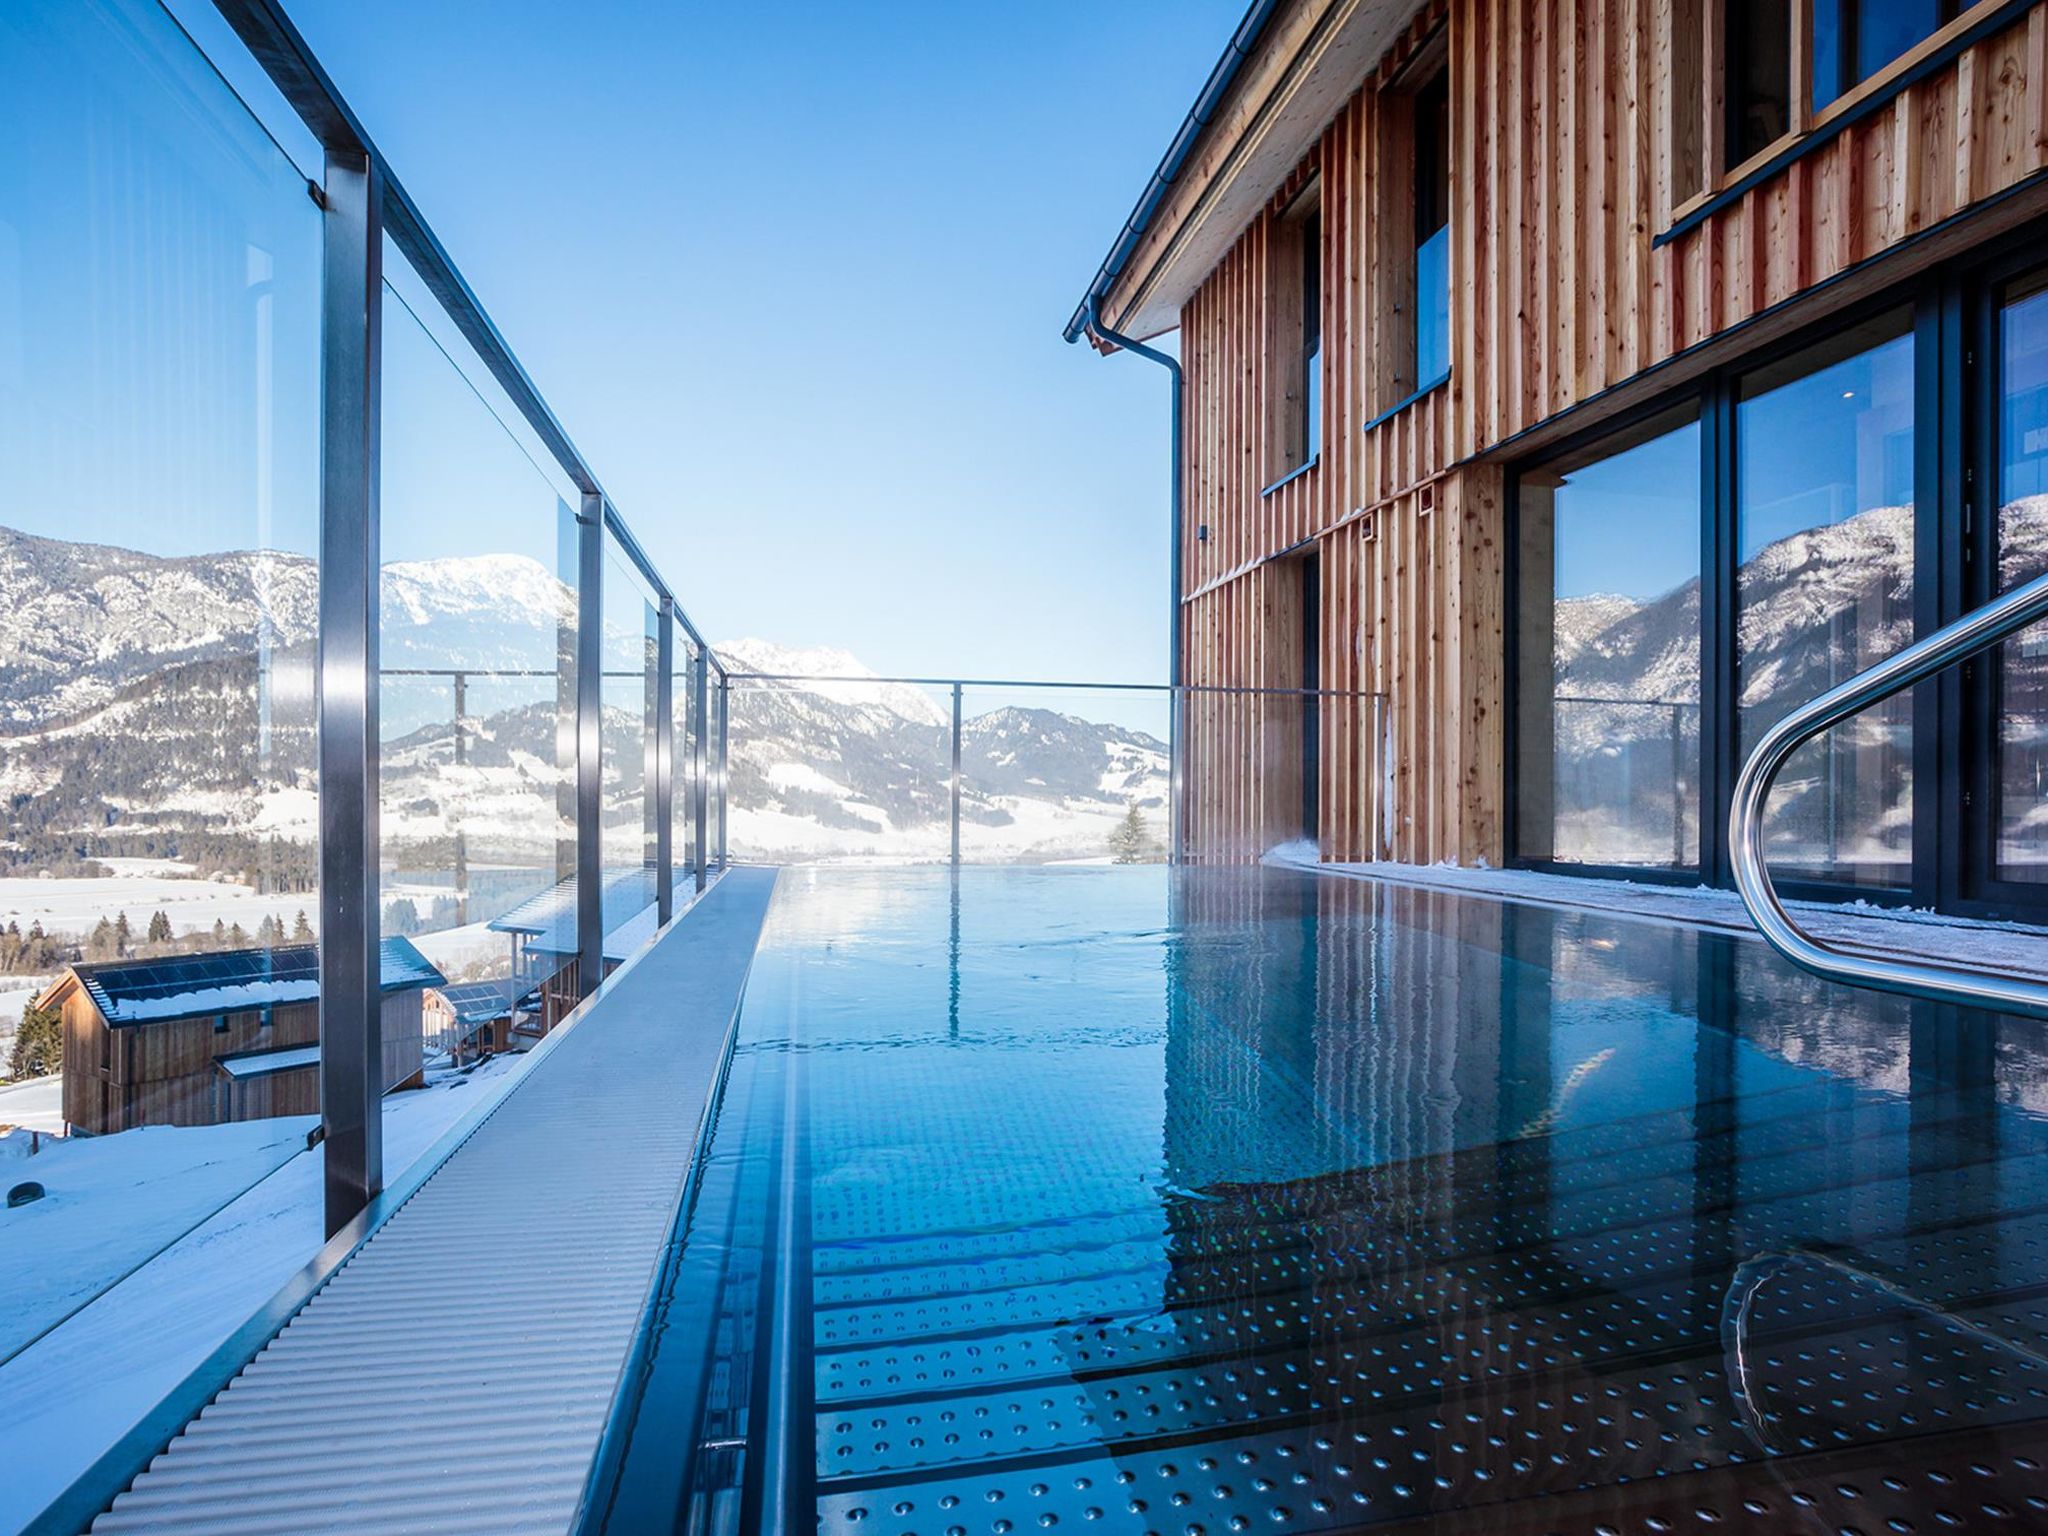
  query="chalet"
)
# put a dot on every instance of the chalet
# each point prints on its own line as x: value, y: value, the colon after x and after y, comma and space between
x: 473, y: 1019
x: 205, y: 1038
x: 543, y: 933
x: 1569, y: 391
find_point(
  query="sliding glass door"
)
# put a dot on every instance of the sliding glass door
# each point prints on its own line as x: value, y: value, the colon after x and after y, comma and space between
x: 1824, y: 588
x: 1609, y: 651
x: 2020, y: 672
x: 1680, y: 584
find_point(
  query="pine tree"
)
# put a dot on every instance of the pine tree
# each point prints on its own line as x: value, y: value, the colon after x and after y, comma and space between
x: 38, y: 1044
x: 269, y: 932
x: 302, y: 931
x: 123, y: 934
x: 159, y: 928
x: 100, y: 945
x: 238, y: 937
x: 220, y: 934
x: 1127, y: 837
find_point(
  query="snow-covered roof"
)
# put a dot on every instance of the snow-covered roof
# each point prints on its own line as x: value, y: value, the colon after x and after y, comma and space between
x: 247, y: 1064
x: 479, y: 1002
x: 174, y: 987
x: 548, y: 921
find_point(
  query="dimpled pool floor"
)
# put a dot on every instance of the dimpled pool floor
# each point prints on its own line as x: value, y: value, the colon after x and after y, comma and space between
x: 1253, y: 1200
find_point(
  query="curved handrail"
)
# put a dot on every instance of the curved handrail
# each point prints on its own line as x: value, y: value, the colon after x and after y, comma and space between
x: 1977, y: 631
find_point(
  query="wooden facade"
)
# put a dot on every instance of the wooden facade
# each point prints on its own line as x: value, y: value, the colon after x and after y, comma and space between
x: 119, y: 1077
x: 1593, y: 265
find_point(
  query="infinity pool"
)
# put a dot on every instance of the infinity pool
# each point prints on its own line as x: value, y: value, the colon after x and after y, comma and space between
x: 1104, y: 1199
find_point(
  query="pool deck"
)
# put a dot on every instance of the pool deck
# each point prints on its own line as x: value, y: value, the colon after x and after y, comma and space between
x: 491, y: 1308
x: 1893, y: 932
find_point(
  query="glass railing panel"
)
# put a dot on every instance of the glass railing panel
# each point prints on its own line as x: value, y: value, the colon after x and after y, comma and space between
x: 629, y: 697
x: 840, y: 770
x: 690, y: 770
x: 477, y: 726
x: 159, y: 459
x: 1064, y: 775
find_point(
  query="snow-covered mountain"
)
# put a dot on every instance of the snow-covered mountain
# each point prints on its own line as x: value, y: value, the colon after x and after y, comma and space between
x: 163, y: 707
x: 864, y: 769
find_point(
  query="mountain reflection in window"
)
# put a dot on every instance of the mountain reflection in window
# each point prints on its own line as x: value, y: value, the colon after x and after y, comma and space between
x: 1609, y: 652
x: 1824, y: 589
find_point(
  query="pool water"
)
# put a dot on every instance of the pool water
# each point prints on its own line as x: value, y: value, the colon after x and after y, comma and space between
x: 1115, y: 1199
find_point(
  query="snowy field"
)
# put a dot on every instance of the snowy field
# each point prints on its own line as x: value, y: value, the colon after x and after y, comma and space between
x: 86, y: 1383
x: 35, y: 1104
x: 112, y: 1202
x: 73, y: 907
x: 1039, y: 831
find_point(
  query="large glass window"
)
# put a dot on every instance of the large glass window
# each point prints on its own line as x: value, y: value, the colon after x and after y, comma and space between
x: 1854, y: 39
x: 1609, y: 652
x: 1824, y: 588
x: 2022, y: 533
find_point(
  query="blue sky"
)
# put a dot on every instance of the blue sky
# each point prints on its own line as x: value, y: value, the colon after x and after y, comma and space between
x: 793, y: 275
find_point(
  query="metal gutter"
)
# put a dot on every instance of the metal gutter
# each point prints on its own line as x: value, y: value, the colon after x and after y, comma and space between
x: 1170, y: 166
x: 1176, y: 496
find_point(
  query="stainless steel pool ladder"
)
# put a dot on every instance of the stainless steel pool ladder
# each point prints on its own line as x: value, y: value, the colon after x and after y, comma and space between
x: 1976, y: 632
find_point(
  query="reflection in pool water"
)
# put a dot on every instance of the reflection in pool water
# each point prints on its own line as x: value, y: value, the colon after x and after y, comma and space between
x: 1250, y: 1199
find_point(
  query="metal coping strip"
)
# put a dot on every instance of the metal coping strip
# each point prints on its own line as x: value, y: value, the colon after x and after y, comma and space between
x: 95, y: 1489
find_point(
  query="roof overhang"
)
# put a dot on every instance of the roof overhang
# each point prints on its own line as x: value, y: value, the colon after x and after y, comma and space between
x: 1289, y: 69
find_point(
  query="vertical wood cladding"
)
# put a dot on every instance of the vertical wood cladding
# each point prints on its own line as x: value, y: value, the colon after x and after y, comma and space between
x: 1563, y: 119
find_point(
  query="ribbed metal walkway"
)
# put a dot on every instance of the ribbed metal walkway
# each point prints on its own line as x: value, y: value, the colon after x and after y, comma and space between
x: 455, y: 1373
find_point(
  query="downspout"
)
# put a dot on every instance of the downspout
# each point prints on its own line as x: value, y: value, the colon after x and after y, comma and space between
x: 1176, y: 698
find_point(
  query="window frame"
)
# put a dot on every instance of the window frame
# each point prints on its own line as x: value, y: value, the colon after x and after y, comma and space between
x: 1295, y: 328
x: 1390, y: 369
x: 1955, y: 310
x: 1702, y: 107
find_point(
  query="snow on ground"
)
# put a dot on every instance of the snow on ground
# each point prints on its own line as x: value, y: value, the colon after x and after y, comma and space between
x: 111, y: 1202
x: 163, y: 869
x: 1038, y: 831
x: 1855, y: 925
x: 33, y: 1104
x: 72, y: 907
x: 82, y: 1386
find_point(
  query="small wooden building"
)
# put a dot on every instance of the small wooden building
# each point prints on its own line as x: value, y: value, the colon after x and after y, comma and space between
x: 201, y: 1039
x: 474, y: 1019
x: 543, y: 933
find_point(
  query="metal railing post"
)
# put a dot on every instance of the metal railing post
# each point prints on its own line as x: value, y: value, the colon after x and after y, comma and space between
x: 956, y: 774
x: 700, y: 788
x: 663, y: 753
x: 724, y: 759
x: 590, y: 745
x: 351, y: 997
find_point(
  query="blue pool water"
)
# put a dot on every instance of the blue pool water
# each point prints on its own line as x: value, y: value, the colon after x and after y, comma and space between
x: 1107, y: 1199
